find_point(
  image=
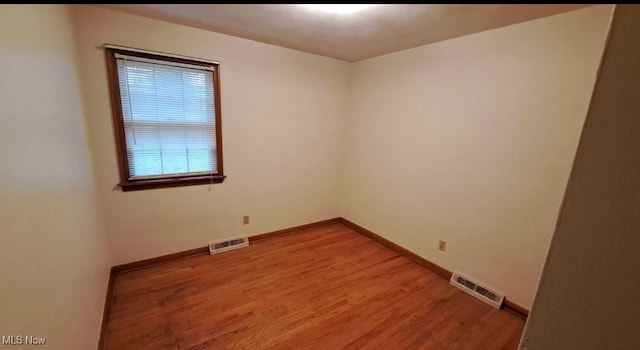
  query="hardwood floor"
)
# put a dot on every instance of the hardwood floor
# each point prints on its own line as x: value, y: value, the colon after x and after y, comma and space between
x: 322, y: 288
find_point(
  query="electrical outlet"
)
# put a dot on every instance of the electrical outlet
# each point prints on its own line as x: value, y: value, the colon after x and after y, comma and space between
x: 245, y: 220
x: 442, y: 245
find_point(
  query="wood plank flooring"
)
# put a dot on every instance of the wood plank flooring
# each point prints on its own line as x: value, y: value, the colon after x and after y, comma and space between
x: 322, y: 288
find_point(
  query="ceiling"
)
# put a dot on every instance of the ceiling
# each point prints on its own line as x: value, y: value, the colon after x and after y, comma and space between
x: 350, y: 37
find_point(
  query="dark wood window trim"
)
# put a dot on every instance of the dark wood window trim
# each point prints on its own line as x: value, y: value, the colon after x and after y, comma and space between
x: 116, y: 106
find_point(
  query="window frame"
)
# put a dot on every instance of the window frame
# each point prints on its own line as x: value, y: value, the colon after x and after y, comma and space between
x: 118, y: 123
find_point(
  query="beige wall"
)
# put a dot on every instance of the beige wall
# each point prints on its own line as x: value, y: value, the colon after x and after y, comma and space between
x: 53, y: 255
x: 588, y: 297
x: 283, y: 115
x: 470, y: 141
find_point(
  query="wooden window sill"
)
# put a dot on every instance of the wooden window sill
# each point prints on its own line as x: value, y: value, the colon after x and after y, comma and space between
x: 170, y: 182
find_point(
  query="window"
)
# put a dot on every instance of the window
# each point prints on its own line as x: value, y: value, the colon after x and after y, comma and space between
x: 166, y: 116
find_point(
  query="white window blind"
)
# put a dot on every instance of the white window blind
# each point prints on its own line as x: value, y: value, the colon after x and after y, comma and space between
x: 169, y: 118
